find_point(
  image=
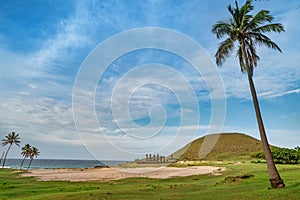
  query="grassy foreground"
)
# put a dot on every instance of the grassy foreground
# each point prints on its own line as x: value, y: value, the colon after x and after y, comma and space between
x: 240, y: 181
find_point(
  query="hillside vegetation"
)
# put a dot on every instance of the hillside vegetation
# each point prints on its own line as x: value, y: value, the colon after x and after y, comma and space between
x: 229, y: 146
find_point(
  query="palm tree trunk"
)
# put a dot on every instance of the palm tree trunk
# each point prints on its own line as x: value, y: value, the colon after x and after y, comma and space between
x: 30, y: 163
x: 6, y: 155
x: 275, y: 180
x: 2, y: 156
x: 22, y: 162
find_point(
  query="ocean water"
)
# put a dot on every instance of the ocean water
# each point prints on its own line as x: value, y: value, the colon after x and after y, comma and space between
x: 52, y: 163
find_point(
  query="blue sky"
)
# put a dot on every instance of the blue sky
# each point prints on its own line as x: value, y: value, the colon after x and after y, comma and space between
x: 43, y: 45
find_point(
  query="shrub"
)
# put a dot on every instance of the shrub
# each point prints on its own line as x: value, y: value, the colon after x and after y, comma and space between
x: 282, y: 155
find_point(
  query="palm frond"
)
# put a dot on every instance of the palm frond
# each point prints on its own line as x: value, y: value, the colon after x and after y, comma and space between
x: 253, y: 57
x: 222, y: 28
x: 241, y: 60
x: 243, y: 14
x: 250, y: 63
x: 5, y: 142
x: 260, y: 18
x: 224, y: 51
x: 276, y: 27
x: 247, y: 7
x: 231, y: 10
x: 263, y: 40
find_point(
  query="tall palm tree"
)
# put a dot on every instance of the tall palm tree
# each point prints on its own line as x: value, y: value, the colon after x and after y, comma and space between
x: 26, y: 150
x: 11, y: 138
x: 34, y: 152
x: 246, y: 32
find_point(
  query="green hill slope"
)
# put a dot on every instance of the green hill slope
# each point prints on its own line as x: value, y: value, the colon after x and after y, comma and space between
x: 229, y: 146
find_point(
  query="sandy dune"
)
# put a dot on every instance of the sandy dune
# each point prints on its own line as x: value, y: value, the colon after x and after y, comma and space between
x: 106, y: 174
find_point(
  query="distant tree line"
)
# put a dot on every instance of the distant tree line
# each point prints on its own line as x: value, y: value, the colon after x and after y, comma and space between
x: 28, y: 151
x: 282, y: 155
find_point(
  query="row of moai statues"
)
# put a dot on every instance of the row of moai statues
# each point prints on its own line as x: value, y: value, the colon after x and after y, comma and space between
x: 157, y: 157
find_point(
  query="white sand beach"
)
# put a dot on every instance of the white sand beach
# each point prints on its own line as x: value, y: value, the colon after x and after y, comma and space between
x: 115, y: 173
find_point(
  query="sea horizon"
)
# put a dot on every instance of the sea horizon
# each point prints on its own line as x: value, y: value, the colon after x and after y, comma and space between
x: 15, y: 163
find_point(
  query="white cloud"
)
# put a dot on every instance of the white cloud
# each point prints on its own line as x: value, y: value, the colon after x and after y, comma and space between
x: 39, y: 120
x: 276, y: 74
x: 133, y: 96
x: 271, y: 94
x: 117, y: 146
x: 72, y: 34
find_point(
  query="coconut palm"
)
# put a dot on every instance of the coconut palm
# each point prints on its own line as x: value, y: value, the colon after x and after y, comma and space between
x: 10, y: 139
x: 26, y: 150
x: 247, y: 32
x: 34, y: 152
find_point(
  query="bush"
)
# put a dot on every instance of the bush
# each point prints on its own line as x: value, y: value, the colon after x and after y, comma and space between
x: 259, y: 155
x: 282, y: 155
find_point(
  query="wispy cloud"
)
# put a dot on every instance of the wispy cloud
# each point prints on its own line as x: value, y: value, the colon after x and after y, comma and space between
x: 270, y: 94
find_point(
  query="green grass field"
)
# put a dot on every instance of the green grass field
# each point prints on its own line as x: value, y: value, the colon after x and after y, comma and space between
x: 229, y: 185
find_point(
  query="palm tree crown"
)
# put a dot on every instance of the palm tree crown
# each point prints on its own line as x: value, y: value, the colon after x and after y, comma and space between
x: 34, y: 152
x: 11, y: 138
x: 26, y: 151
x: 248, y: 31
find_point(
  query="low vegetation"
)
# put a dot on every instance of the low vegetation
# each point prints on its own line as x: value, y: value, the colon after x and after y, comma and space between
x: 242, y: 178
x: 282, y: 155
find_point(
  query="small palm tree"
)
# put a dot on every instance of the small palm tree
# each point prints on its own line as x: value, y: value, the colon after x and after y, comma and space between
x: 247, y: 31
x: 34, y: 152
x: 26, y: 150
x: 11, y: 138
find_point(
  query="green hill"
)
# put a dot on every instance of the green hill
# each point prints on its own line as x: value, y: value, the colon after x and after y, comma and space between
x: 229, y: 146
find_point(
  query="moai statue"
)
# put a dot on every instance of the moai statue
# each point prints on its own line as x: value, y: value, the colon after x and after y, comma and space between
x: 147, y: 157
x: 157, y: 157
x: 150, y: 157
x: 154, y: 157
